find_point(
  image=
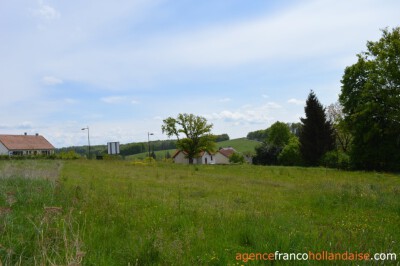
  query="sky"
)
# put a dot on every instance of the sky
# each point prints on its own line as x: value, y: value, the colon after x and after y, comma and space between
x: 121, y: 67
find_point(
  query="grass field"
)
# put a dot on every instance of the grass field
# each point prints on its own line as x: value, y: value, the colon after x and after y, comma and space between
x: 159, y: 155
x: 241, y: 145
x: 120, y: 213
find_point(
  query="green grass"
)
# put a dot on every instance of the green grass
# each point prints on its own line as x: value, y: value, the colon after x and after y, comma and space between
x: 167, y: 214
x: 159, y: 155
x: 36, y: 225
x: 241, y: 144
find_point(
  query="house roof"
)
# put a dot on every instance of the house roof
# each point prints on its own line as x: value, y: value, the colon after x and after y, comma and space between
x: 177, y: 152
x: 25, y: 142
x: 227, y: 152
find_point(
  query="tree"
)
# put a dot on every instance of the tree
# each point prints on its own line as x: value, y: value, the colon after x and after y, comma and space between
x: 278, y: 134
x: 316, y: 136
x: 343, y: 135
x: 290, y: 155
x: 222, y: 137
x: 295, y: 128
x: 259, y: 135
x: 266, y: 155
x: 197, y: 134
x: 370, y: 96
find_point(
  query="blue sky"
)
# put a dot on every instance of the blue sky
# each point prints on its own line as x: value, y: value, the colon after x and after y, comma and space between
x: 120, y: 67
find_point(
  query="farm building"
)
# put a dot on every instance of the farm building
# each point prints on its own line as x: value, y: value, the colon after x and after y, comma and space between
x: 204, y: 158
x: 219, y: 157
x: 223, y: 154
x: 25, y: 145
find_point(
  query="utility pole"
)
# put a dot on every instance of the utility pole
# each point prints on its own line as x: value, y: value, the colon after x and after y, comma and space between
x: 148, y: 140
x: 88, y: 139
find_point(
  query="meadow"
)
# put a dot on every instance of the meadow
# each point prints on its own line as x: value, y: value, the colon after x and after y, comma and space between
x: 123, y: 213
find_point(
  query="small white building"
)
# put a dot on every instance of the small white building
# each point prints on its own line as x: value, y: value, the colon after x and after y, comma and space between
x: 25, y: 145
x: 223, y: 154
x: 220, y: 157
x: 204, y: 158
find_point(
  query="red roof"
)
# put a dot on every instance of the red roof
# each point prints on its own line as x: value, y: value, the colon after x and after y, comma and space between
x: 227, y: 152
x: 25, y: 142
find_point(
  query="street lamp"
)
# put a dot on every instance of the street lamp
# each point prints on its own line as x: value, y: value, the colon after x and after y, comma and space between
x: 148, y: 140
x: 87, y: 127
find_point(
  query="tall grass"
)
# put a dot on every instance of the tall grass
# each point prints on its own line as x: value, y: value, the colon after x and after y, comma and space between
x: 119, y: 213
x: 36, y: 227
x: 204, y: 215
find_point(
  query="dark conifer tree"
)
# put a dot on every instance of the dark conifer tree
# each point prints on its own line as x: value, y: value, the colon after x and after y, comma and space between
x: 317, y: 135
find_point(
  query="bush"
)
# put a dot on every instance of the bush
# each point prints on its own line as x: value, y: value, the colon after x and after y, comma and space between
x: 266, y: 155
x: 68, y: 155
x: 336, y: 159
x: 236, y: 158
x: 291, y: 155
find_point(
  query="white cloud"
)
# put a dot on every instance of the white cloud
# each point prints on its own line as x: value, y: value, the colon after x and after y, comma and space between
x: 49, y: 80
x: 46, y: 12
x: 113, y: 99
x: 247, y: 114
x: 296, y: 101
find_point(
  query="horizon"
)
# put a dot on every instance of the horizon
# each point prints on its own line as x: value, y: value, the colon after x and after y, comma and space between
x: 121, y: 69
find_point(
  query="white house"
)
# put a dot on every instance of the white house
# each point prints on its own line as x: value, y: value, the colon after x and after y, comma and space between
x: 204, y: 158
x: 223, y: 154
x: 220, y: 157
x: 25, y: 145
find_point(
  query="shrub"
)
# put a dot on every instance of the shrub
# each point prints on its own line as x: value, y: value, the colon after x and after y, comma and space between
x: 291, y: 155
x: 236, y: 158
x: 266, y: 155
x: 68, y: 155
x: 336, y: 159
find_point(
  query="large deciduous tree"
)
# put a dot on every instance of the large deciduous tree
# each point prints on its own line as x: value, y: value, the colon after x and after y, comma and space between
x: 342, y: 133
x: 316, y: 136
x: 371, y: 99
x: 197, y: 134
x: 278, y: 135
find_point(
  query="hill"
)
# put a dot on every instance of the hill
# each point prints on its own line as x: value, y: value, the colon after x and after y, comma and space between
x: 243, y: 145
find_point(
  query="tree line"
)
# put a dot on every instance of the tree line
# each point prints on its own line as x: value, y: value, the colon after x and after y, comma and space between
x: 360, y: 131
x: 132, y: 148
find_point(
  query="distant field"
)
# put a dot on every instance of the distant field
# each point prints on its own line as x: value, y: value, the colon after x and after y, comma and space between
x: 241, y: 145
x: 159, y: 155
x: 123, y: 213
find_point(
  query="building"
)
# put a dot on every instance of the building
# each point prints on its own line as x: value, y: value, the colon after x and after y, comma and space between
x: 223, y: 154
x: 203, y: 158
x: 219, y: 157
x: 25, y: 145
